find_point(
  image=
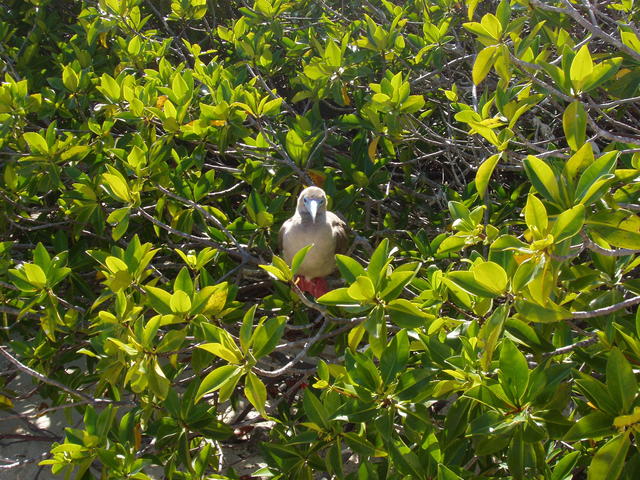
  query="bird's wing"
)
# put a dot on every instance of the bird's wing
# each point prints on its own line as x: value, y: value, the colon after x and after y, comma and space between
x: 283, y: 228
x: 339, y: 228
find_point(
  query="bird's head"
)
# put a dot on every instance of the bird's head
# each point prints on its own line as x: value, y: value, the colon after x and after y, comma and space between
x: 312, y: 201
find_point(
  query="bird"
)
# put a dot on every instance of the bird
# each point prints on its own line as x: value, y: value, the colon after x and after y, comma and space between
x: 313, y: 224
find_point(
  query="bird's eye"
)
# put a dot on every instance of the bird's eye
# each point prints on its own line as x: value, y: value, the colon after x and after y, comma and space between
x: 321, y: 201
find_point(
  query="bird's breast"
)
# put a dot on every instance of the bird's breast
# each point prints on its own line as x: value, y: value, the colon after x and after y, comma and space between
x: 320, y: 260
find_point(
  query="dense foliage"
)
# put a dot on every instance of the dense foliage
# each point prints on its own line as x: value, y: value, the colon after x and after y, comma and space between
x: 485, y: 155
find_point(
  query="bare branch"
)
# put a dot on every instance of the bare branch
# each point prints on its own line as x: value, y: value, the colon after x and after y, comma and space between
x: 599, y: 312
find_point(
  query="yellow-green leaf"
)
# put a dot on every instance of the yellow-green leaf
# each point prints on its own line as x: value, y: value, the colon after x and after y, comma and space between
x: 256, y: 392
x: 581, y: 68
x: 483, y: 63
x: 535, y: 216
x: 483, y: 175
x: 543, y: 178
x: 35, y: 275
x: 574, y: 123
x: 180, y: 302
x: 219, y: 350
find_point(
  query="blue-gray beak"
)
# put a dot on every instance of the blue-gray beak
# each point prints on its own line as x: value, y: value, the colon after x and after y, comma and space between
x: 313, y: 208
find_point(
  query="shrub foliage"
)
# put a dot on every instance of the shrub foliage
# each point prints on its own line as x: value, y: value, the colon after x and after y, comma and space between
x: 485, y: 155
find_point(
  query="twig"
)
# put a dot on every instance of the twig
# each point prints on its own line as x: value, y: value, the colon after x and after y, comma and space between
x: 243, y: 251
x: 282, y: 370
x: 599, y: 312
x: 569, y: 348
x: 619, y: 252
x: 193, y: 238
x: 29, y: 371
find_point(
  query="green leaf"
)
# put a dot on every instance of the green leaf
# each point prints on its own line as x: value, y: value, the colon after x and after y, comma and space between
x: 568, y: 223
x: 617, y: 237
x: 563, y: 470
x: 179, y: 87
x: 35, y: 275
x: 337, y: 297
x: 543, y: 178
x: 514, y: 372
x: 257, y: 210
x: 548, y: 313
x: 594, y: 425
x: 378, y: 261
x: 599, y: 169
x: 597, y: 393
x: 621, y: 381
x: 483, y: 175
x: 445, y: 474
x: 452, y: 244
x: 608, y: 461
x: 412, y: 104
x: 602, y: 72
x: 394, y: 357
x: 219, y: 350
x: 69, y: 78
x: 159, y: 299
x: 332, y: 55
x: 574, y: 123
x: 349, y: 268
x: 516, y: 455
x: 172, y: 341
x: 118, y: 188
x: 109, y: 88
x: 246, y: 328
x: 37, y: 143
x: 314, y: 409
x: 490, y: 334
x: 271, y: 107
x: 298, y: 258
x: 211, y: 299
x: 180, y: 302
x: 159, y: 384
x: 183, y: 282
x: 150, y: 330
x: 491, y: 276
x: 579, y: 161
x: 362, y: 370
x: 256, y: 392
x: 362, y: 290
x: 275, y: 272
x: 483, y: 63
x: 216, y: 379
x: 396, y: 283
x: 406, y: 314
x: 581, y: 68
x: 467, y: 282
x: 126, y: 348
x: 535, y: 216
x: 267, y: 335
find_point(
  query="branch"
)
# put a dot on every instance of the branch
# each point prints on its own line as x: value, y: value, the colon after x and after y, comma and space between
x: 599, y: 312
x: 620, y: 252
x: 282, y: 370
x: 193, y: 238
x: 29, y: 371
x: 246, y: 256
x: 569, y: 348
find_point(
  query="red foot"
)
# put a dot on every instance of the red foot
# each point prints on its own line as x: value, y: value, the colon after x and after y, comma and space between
x: 315, y: 286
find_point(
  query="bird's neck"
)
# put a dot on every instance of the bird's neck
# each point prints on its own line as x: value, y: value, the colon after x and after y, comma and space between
x: 321, y: 217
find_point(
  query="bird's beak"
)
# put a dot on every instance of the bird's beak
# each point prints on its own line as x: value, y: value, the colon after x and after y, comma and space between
x: 313, y: 209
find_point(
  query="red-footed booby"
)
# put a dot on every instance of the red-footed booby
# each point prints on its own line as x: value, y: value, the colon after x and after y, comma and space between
x: 313, y: 224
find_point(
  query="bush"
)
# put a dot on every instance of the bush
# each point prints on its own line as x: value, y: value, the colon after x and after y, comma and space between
x: 485, y: 155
